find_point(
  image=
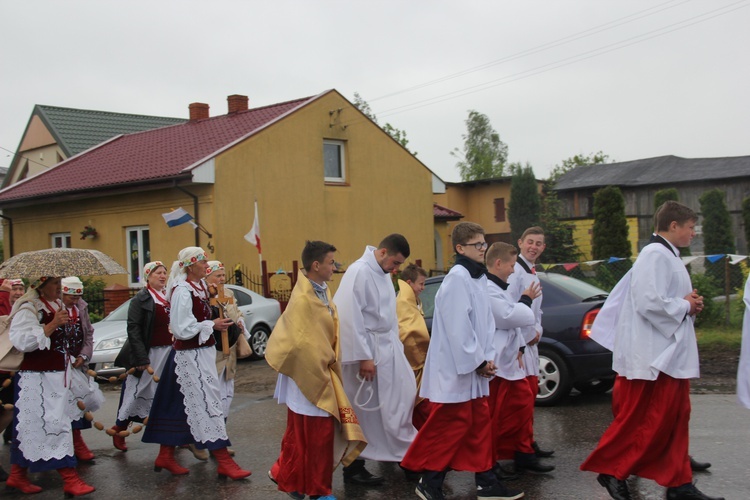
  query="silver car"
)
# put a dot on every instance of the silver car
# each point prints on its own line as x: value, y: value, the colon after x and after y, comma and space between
x: 111, y: 333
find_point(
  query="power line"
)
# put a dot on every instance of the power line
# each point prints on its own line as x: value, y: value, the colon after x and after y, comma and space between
x: 545, y: 46
x: 566, y: 61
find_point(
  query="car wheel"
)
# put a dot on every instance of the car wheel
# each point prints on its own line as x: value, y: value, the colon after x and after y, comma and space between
x: 258, y: 341
x: 595, y: 386
x: 554, y: 379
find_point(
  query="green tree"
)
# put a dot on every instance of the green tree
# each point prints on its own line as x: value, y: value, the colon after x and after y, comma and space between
x: 484, y: 155
x: 557, y: 235
x: 664, y: 195
x: 610, y: 231
x: 397, y: 134
x: 746, y: 219
x: 569, y: 164
x: 524, y: 207
x: 718, y: 237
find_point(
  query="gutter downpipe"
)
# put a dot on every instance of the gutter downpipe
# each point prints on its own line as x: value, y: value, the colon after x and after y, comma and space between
x: 195, y: 211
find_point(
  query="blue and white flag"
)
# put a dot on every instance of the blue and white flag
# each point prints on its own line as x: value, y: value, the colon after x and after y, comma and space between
x: 178, y: 217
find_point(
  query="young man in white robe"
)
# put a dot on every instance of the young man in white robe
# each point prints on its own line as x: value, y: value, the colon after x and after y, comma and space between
x: 377, y: 376
x: 511, y: 399
x: 743, y: 370
x: 650, y: 326
x: 460, y: 363
x: 531, y: 246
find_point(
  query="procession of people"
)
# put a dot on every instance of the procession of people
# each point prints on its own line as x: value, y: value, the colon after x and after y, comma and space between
x: 359, y: 373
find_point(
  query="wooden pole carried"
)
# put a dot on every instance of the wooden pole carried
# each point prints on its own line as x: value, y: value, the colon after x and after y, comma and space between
x: 221, y: 302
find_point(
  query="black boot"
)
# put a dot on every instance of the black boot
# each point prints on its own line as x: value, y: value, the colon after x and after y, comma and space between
x: 3, y: 475
x: 696, y: 466
x: 688, y: 492
x: 529, y: 462
x: 356, y: 473
x: 540, y: 452
x: 617, y: 488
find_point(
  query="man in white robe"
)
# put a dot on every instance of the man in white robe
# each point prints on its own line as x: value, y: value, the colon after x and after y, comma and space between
x: 743, y: 371
x: 531, y: 245
x: 377, y: 376
x: 655, y: 353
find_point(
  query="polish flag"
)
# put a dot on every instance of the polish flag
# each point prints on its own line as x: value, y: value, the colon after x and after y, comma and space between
x: 254, y: 235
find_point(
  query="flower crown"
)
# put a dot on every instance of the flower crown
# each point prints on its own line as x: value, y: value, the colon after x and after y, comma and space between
x: 193, y: 260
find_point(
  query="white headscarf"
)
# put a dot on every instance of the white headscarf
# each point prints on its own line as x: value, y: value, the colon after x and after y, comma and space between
x: 187, y: 257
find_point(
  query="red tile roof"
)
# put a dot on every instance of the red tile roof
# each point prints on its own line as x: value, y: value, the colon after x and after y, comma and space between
x: 440, y: 212
x: 159, y: 154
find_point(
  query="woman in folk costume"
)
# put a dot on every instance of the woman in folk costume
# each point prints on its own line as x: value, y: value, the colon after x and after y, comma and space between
x: 17, y: 289
x: 226, y: 364
x: 322, y: 429
x: 81, y: 345
x: 43, y: 437
x: 187, y: 404
x: 412, y: 330
x: 149, y: 344
x: 743, y: 370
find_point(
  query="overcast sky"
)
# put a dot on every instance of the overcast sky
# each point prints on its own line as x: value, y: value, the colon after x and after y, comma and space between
x: 635, y: 79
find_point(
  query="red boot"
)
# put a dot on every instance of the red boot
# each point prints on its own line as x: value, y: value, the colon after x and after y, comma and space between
x: 20, y: 481
x: 79, y: 446
x: 119, y: 441
x: 73, y: 486
x: 166, y: 460
x: 227, y: 466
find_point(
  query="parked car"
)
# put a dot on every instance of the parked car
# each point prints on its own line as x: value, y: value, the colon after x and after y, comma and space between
x: 110, y: 333
x: 568, y: 358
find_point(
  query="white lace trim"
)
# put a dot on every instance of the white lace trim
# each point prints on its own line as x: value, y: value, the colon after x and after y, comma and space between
x: 207, y: 329
x: 43, y: 426
x: 139, y: 392
x: 199, y: 384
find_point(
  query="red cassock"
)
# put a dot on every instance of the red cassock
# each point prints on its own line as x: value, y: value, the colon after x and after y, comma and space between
x: 512, y: 409
x: 421, y: 413
x: 305, y: 462
x: 527, y: 433
x: 456, y: 436
x: 649, y: 435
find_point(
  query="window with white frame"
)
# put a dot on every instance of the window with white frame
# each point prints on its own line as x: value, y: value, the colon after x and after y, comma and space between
x: 60, y: 240
x: 139, y: 252
x: 333, y: 160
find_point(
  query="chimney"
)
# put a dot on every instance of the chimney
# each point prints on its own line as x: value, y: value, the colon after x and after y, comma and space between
x: 198, y: 111
x: 237, y: 103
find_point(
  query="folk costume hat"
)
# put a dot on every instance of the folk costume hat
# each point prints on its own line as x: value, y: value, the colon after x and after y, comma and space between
x: 213, y: 266
x: 72, y: 285
x: 186, y: 258
x: 151, y: 267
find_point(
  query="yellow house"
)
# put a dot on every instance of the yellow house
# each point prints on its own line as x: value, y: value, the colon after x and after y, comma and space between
x: 318, y: 168
x: 483, y: 201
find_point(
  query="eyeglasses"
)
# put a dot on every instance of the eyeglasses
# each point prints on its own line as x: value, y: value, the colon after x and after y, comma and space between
x: 479, y: 245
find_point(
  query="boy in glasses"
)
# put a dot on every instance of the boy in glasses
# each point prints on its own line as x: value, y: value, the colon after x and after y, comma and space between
x: 458, y: 368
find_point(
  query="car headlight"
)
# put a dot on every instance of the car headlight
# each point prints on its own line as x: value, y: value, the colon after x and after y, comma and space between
x: 108, y: 344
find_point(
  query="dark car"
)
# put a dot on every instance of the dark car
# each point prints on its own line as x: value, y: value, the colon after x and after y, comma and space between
x: 568, y: 358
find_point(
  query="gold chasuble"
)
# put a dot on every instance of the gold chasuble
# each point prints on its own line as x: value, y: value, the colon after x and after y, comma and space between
x: 304, y: 346
x: 412, y: 330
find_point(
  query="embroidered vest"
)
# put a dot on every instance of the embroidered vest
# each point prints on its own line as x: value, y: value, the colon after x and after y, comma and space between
x: 47, y: 360
x: 202, y: 312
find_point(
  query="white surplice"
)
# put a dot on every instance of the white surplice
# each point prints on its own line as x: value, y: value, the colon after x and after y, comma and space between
x: 463, y: 332
x: 743, y: 371
x: 366, y: 302
x: 654, y: 332
x: 510, y: 316
x: 517, y: 283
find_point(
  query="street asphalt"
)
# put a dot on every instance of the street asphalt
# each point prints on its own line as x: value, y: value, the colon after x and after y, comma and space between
x: 720, y: 434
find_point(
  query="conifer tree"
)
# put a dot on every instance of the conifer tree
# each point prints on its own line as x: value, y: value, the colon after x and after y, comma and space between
x: 524, y: 208
x: 610, y: 238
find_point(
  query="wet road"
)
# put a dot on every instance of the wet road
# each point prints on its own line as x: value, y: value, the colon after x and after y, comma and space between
x: 720, y: 433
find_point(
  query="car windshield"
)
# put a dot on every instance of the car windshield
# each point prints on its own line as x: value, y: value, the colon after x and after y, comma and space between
x: 119, y: 314
x: 581, y: 289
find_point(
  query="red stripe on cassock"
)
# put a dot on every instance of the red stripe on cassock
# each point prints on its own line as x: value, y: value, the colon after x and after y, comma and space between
x: 455, y: 436
x: 305, y: 463
x: 649, y: 435
x: 512, y: 410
